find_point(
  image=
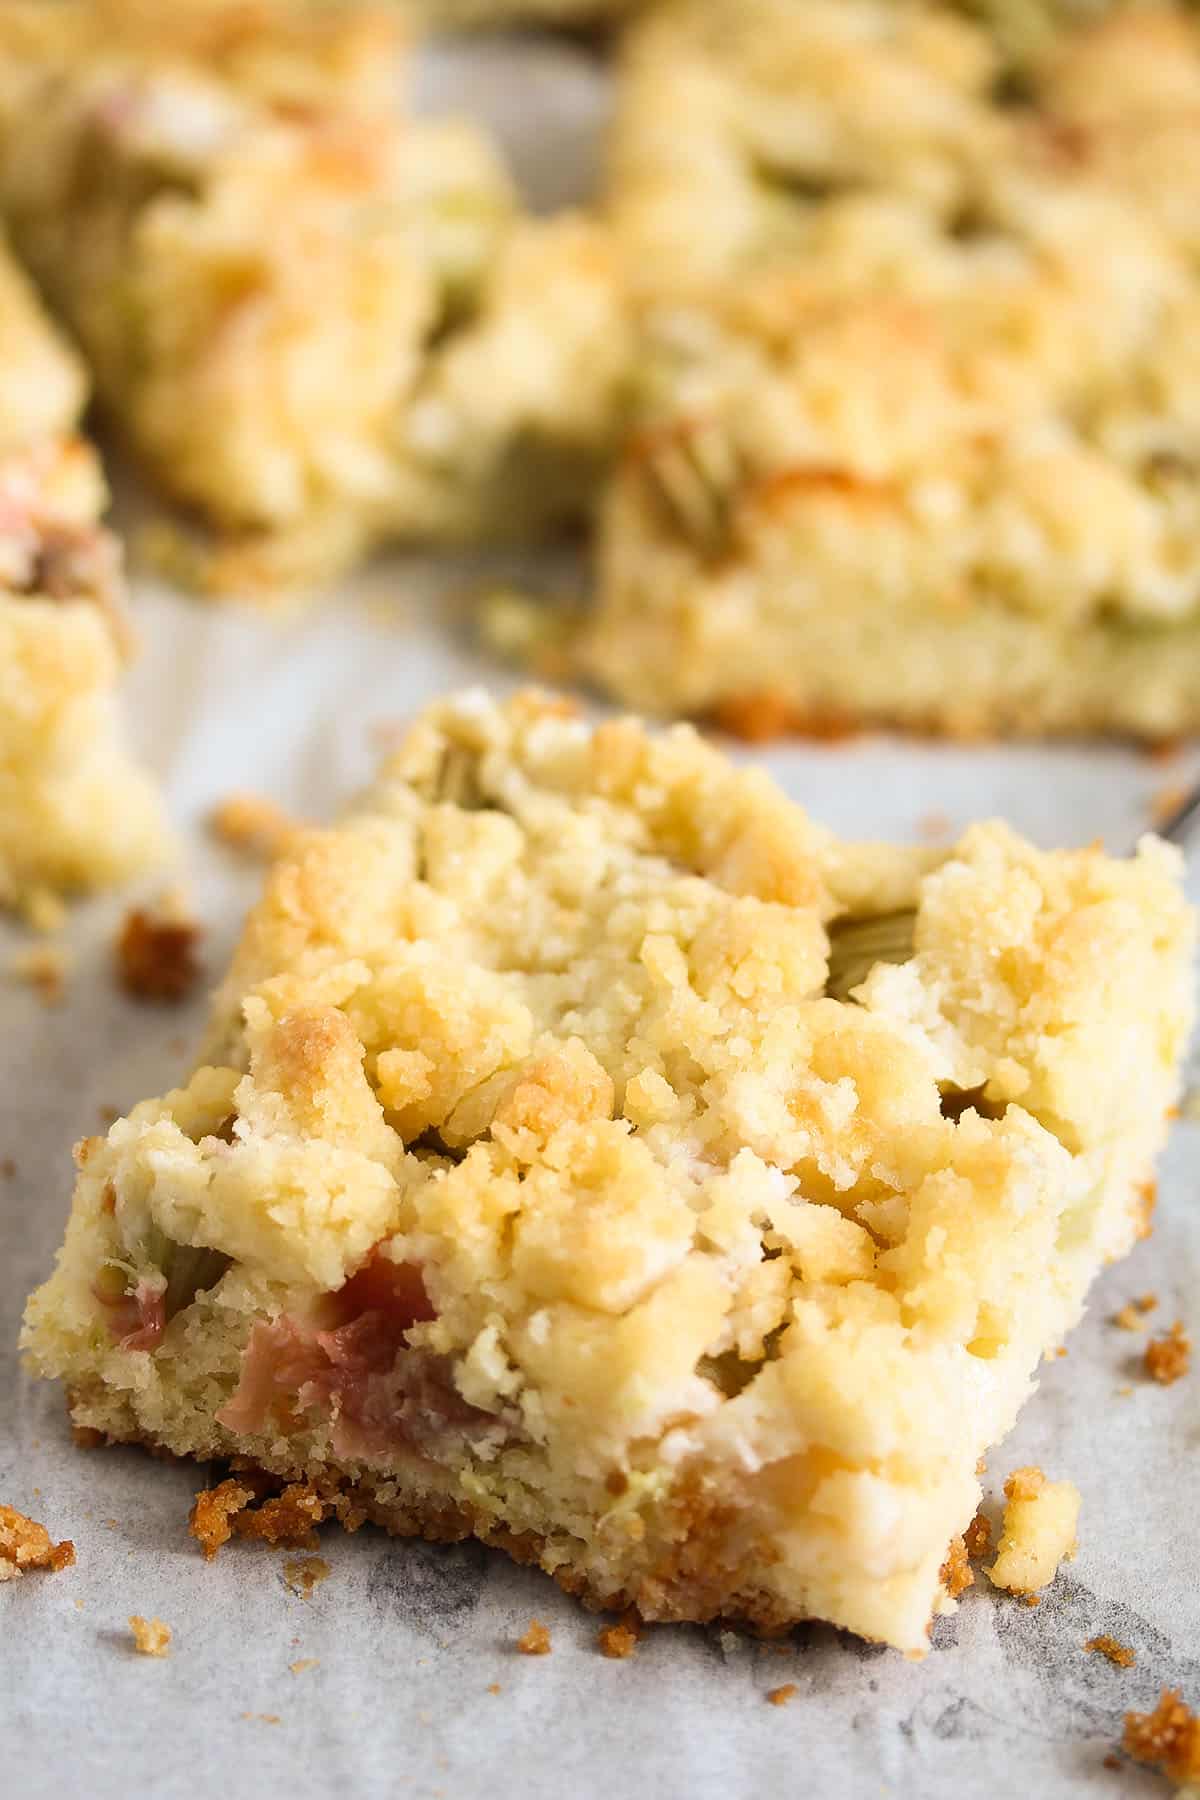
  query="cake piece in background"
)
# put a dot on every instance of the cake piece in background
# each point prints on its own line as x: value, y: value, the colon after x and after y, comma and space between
x: 75, y: 810
x: 904, y: 451
x: 274, y: 270
x: 595, y: 1156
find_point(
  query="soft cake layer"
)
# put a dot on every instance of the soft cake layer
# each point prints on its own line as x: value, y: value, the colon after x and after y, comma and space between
x: 565, y: 1168
x: 906, y: 449
x: 278, y: 279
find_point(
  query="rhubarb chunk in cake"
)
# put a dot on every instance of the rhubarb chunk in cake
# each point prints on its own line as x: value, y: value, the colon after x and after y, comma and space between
x: 75, y: 810
x: 906, y: 450
x: 270, y: 265
x: 596, y: 1156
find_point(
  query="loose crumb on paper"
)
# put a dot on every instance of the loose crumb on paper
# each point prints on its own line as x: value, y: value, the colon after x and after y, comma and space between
x: 1120, y: 1655
x: 262, y: 1718
x: 620, y: 1640
x: 956, y: 1572
x: 1169, y: 1357
x: 304, y: 1662
x: 289, y: 1518
x: 156, y: 955
x: 151, y: 1637
x: 494, y: 1687
x: 253, y: 825
x: 535, y: 1641
x: 44, y: 968
x: 1166, y: 1739
x: 304, y: 1574
x: 1040, y: 1521
x: 25, y: 1545
x: 780, y: 1696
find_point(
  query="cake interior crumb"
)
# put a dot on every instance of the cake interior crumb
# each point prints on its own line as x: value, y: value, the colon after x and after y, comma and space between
x: 151, y: 1637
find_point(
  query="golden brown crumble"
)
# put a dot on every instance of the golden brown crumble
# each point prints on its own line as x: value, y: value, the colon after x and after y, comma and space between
x: 781, y: 1695
x: 1025, y: 1484
x: 535, y: 1641
x: 209, y: 1519
x: 956, y: 1570
x: 1030, y: 1599
x: 1167, y: 1739
x: 1146, y: 1303
x: 151, y: 1637
x: 287, y: 1518
x: 620, y: 1640
x: 1169, y: 1357
x: 24, y: 1545
x: 304, y: 1574
x: 757, y: 718
x: 253, y: 825
x: 1128, y: 1318
x: 1120, y: 1655
x: 494, y: 1687
x: 156, y: 956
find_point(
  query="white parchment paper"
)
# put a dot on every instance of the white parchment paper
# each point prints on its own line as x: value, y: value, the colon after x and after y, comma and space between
x: 410, y: 1641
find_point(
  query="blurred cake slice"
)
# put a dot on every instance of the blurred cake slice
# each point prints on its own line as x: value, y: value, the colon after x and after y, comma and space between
x: 595, y: 1156
x: 75, y: 810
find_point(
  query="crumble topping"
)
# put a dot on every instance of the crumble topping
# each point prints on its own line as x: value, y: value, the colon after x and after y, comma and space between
x: 1040, y: 1520
x: 156, y: 956
x: 151, y: 1637
x: 1120, y: 1655
x: 535, y: 1641
x: 977, y: 1538
x: 25, y: 1545
x: 1169, y: 1357
x: 228, y: 1510
x: 212, y: 1512
x: 1166, y: 1739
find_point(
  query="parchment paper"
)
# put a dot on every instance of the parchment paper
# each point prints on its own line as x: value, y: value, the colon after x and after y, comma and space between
x: 410, y: 1640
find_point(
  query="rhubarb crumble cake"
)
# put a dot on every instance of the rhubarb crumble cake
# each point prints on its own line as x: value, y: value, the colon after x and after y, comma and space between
x: 75, y: 810
x: 275, y: 273
x: 906, y: 448
x: 594, y: 1155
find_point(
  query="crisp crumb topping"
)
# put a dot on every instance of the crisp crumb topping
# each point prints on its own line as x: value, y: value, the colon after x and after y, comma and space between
x: 1169, y: 1357
x: 24, y: 1545
x: 620, y: 1640
x: 156, y: 956
x: 536, y: 1640
x: 253, y: 825
x: 1118, y: 1654
x: 151, y: 1637
x: 956, y: 1570
x: 1167, y: 1739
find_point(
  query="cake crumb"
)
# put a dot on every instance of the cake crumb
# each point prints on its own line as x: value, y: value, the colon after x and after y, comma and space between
x: 262, y: 1718
x: 25, y: 1544
x: 1040, y: 1520
x: 1169, y: 1357
x: 156, y: 956
x: 956, y: 1573
x: 151, y: 1637
x: 781, y: 1695
x: 1167, y: 1739
x: 494, y: 1687
x: 1128, y: 1318
x: 1111, y: 1761
x: 620, y: 1640
x: 304, y: 1662
x: 765, y: 714
x: 1120, y: 1655
x: 304, y: 1574
x: 212, y: 1511
x: 288, y: 1518
x: 44, y: 968
x: 536, y: 1640
x: 1146, y: 1201
x: 1146, y: 1303
x: 1030, y: 1599
x: 253, y: 825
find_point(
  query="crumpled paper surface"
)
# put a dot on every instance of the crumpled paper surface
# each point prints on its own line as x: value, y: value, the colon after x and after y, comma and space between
x: 411, y: 1685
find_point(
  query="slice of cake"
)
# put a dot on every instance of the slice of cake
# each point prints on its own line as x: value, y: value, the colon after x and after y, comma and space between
x: 268, y: 264
x: 595, y: 1156
x: 906, y: 450
x: 75, y: 811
